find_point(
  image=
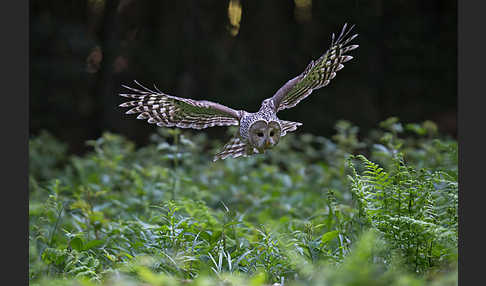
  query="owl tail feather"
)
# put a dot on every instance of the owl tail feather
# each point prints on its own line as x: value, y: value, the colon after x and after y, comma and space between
x: 288, y: 126
x: 234, y: 148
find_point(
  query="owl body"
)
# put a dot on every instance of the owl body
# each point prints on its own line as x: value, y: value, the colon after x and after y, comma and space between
x: 266, y: 113
x: 258, y: 131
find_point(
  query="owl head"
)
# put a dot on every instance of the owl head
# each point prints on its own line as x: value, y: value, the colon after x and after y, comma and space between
x: 264, y: 135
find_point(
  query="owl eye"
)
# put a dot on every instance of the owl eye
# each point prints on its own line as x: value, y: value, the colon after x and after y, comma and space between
x: 260, y: 134
x: 272, y: 133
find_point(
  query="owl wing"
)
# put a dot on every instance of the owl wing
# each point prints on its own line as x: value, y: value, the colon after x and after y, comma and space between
x: 171, y: 111
x: 288, y: 126
x: 234, y: 148
x: 317, y: 74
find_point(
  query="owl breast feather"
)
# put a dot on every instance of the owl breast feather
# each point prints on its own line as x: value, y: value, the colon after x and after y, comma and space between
x: 249, y: 118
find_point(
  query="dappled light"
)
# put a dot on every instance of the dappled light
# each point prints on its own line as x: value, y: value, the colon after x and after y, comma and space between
x: 234, y: 15
x: 303, y: 10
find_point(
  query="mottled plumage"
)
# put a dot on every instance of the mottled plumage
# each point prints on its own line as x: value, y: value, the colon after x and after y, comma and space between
x: 258, y: 131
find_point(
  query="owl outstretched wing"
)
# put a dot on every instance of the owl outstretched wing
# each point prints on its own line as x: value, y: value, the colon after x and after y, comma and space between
x: 171, y: 111
x: 318, y: 73
x: 288, y: 126
x: 234, y: 148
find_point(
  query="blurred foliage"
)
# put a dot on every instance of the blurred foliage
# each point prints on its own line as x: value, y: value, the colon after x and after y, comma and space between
x: 350, y: 210
x: 46, y: 155
x: 238, y: 53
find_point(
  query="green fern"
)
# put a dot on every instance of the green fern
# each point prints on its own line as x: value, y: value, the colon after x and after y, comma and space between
x: 400, y: 204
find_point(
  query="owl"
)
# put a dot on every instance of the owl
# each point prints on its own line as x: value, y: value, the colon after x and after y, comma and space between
x: 258, y: 131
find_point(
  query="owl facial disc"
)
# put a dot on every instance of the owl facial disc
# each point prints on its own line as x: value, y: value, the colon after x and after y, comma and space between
x: 263, y: 135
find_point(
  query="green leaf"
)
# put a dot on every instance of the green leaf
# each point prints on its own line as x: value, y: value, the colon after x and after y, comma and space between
x: 76, y: 243
x: 328, y: 236
x: 93, y: 243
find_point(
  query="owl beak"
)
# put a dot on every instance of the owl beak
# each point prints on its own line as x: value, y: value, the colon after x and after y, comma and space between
x: 267, y: 143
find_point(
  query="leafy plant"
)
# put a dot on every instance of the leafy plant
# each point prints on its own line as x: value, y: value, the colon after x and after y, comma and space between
x: 374, y: 210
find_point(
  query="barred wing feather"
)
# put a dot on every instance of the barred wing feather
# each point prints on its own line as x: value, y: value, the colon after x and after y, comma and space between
x: 171, y: 111
x: 318, y: 73
x: 234, y: 148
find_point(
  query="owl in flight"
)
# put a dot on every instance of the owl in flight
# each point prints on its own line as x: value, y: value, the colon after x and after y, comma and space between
x: 257, y: 131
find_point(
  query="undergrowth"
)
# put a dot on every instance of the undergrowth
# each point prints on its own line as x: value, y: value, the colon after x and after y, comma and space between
x: 346, y: 210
